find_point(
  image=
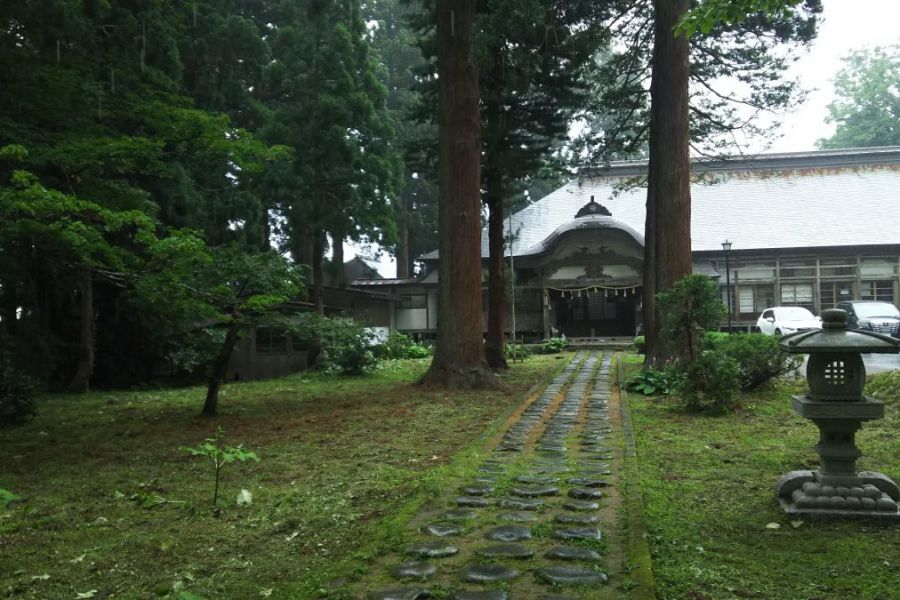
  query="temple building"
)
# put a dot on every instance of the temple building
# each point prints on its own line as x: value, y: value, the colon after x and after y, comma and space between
x: 807, y: 229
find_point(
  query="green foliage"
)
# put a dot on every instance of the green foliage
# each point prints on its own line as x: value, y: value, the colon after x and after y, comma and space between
x: 652, y: 382
x: 16, y: 391
x: 220, y: 455
x: 640, y: 344
x: 885, y: 386
x: 689, y: 308
x: 710, y: 381
x: 866, y: 109
x: 758, y: 355
x: 7, y: 498
x: 349, y: 346
x: 517, y: 351
x: 554, y: 345
x: 400, y: 345
x: 709, y: 13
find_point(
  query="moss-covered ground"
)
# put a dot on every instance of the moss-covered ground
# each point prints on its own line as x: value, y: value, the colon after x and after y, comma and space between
x: 715, y: 529
x: 112, y: 506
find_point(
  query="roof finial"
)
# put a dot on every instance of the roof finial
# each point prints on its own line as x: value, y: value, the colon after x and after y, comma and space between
x: 591, y: 209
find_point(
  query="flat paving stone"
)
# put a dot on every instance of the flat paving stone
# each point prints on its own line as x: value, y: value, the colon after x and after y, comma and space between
x: 414, y: 570
x: 473, y: 501
x: 487, y: 573
x: 534, y: 491
x: 485, y: 595
x: 509, y: 533
x: 457, y: 514
x: 576, y: 519
x: 439, y: 530
x: 590, y: 482
x: 477, y: 490
x: 506, y: 551
x: 571, y: 576
x: 522, y: 503
x: 537, y: 479
x: 517, y: 516
x: 432, y: 549
x: 408, y: 593
x: 581, y: 505
x: 572, y: 553
x: 577, y: 533
x: 585, y: 494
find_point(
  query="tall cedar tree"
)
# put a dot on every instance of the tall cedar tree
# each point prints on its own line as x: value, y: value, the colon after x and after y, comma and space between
x: 459, y: 352
x: 755, y: 49
x: 532, y: 60
x: 328, y: 106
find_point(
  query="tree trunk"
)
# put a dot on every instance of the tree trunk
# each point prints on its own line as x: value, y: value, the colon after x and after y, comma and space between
x: 318, y: 272
x: 495, y: 345
x: 459, y: 350
x: 667, y: 254
x: 80, y: 382
x: 337, y: 258
x: 219, y: 369
x: 402, y: 253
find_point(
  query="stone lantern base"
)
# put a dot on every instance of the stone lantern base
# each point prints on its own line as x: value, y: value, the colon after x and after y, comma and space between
x: 867, y: 495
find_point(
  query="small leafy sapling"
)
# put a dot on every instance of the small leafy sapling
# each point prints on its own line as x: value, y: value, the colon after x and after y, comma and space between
x: 220, y: 455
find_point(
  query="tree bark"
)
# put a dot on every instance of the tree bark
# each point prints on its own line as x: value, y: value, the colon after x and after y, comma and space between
x: 459, y: 350
x: 495, y: 344
x: 219, y: 369
x: 337, y: 258
x: 402, y: 253
x: 667, y: 251
x: 318, y: 272
x: 80, y: 382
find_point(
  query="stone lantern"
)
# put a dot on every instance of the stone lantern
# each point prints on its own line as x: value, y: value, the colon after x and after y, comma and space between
x: 836, y: 404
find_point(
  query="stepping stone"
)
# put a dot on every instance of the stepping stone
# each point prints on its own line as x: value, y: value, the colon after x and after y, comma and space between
x: 474, y: 501
x: 587, y: 482
x: 442, y: 530
x: 581, y: 505
x: 510, y: 447
x: 572, y: 553
x: 551, y: 468
x: 585, y: 494
x: 537, y: 479
x: 457, y: 514
x: 506, y: 551
x: 534, y: 491
x: 432, y: 549
x: 577, y: 533
x: 492, y: 469
x: 570, y: 576
x: 400, y: 594
x: 509, y: 533
x: 414, y: 570
x: 517, y: 516
x: 487, y: 573
x: 601, y: 469
x: 522, y: 503
x: 488, y: 595
x: 576, y: 519
x: 477, y: 490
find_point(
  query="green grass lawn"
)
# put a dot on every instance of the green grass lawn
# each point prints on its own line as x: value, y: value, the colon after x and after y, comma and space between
x: 112, y: 506
x: 708, y: 486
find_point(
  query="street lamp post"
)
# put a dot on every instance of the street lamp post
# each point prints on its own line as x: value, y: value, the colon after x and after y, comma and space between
x: 726, y: 246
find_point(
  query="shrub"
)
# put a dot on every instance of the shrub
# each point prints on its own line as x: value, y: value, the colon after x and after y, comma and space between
x: 652, y: 382
x: 347, y: 343
x: 554, y: 345
x: 689, y: 308
x: 758, y: 355
x: 640, y: 344
x: 16, y: 392
x: 517, y: 351
x: 400, y: 345
x: 711, y: 380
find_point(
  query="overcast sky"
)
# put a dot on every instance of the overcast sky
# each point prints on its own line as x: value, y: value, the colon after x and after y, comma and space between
x: 846, y: 25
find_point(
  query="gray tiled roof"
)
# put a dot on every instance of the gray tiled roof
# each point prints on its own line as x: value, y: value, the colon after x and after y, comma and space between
x: 828, y: 199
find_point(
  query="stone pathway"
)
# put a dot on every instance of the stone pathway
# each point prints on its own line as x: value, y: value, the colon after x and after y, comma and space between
x: 534, y: 520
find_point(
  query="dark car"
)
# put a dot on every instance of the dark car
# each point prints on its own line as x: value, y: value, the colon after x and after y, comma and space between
x: 872, y: 315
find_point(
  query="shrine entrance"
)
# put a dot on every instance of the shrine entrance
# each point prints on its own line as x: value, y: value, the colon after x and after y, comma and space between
x: 595, y: 312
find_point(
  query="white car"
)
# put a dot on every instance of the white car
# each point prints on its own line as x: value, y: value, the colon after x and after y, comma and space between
x: 782, y: 320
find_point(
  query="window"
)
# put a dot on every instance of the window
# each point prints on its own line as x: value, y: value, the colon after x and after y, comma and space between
x: 837, y: 267
x: 832, y: 292
x: 754, y: 298
x: 797, y: 268
x: 799, y: 294
x: 413, y: 301
x: 269, y: 339
x: 755, y: 272
x: 882, y: 290
x: 878, y: 268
